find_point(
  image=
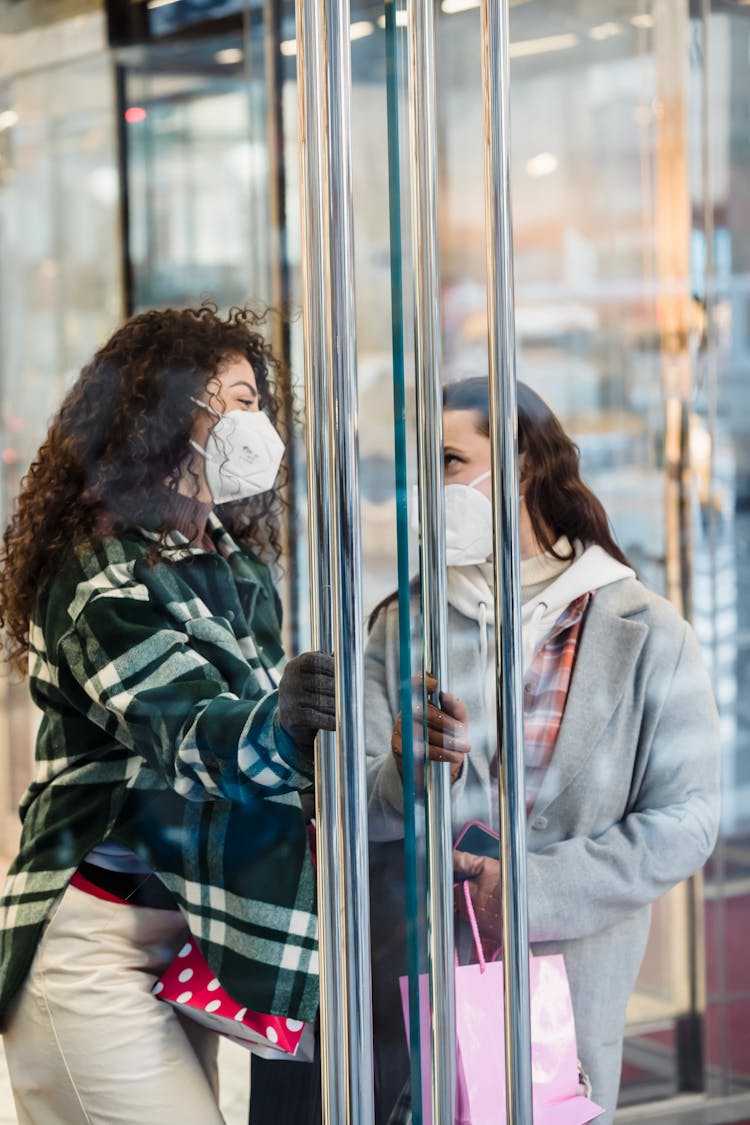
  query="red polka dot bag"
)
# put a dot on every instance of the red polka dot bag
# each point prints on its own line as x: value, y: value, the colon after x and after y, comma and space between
x: 190, y: 986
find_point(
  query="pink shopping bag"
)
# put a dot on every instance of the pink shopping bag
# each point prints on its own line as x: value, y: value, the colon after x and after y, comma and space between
x: 480, y: 1038
x: 191, y: 987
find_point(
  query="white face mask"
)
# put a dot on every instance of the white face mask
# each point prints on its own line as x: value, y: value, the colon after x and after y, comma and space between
x: 468, y: 523
x: 243, y: 453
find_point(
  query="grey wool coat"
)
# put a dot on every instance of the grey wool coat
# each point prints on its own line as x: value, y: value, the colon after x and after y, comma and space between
x: 628, y: 807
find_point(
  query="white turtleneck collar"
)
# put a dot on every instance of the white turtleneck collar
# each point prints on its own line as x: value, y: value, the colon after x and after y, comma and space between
x: 549, y: 583
x: 469, y: 587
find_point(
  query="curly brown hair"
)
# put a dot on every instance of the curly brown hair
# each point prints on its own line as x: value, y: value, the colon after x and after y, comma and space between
x: 122, y: 434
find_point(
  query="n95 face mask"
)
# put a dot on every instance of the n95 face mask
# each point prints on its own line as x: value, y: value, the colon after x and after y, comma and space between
x: 468, y: 523
x: 243, y: 453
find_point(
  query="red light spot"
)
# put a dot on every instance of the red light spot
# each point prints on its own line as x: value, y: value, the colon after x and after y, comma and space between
x: 10, y: 456
x: 134, y: 114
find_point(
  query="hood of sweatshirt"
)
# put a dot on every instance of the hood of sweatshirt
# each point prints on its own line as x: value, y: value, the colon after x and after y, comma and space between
x: 470, y: 592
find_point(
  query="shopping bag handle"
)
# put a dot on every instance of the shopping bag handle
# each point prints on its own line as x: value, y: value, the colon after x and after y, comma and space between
x: 474, y: 927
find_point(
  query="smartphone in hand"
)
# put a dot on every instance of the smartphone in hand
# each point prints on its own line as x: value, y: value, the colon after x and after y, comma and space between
x: 477, y: 839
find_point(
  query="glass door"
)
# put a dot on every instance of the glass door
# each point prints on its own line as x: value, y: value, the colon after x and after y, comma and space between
x: 603, y: 115
x: 166, y: 168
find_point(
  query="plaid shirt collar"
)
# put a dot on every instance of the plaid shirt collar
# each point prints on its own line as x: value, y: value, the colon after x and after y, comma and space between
x: 176, y: 546
x: 546, y: 688
x: 570, y: 616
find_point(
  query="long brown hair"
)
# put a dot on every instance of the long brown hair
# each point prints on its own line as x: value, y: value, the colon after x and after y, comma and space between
x: 557, y: 500
x: 120, y: 436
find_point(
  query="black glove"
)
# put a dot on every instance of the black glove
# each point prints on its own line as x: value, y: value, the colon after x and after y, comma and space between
x: 307, y: 697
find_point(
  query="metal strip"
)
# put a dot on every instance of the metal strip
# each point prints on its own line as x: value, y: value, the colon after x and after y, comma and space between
x: 325, y: 136
x: 346, y: 571
x: 413, y: 858
x: 689, y: 1109
x: 423, y: 133
x: 278, y: 280
x: 505, y: 487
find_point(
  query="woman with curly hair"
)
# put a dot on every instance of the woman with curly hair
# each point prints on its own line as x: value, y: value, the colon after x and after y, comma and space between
x: 174, y: 742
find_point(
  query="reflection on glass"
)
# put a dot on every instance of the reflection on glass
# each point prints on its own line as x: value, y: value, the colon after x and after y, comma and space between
x: 198, y: 168
x: 60, y: 285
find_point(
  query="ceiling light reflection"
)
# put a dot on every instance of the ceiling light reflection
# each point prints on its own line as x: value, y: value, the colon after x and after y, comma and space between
x: 525, y: 47
x: 229, y: 55
x: 604, y: 31
x: 543, y: 164
x: 360, y: 29
x: 401, y: 19
x: 450, y: 7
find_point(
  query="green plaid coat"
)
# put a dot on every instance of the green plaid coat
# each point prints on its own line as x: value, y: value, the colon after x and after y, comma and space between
x: 160, y: 730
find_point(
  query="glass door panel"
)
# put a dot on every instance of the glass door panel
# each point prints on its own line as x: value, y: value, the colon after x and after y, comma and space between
x: 198, y: 164
x: 603, y: 301
x: 602, y: 276
x: 629, y: 168
x: 59, y: 236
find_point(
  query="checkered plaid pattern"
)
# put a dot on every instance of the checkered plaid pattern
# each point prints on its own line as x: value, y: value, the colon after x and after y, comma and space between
x: 157, y: 685
x: 545, y: 691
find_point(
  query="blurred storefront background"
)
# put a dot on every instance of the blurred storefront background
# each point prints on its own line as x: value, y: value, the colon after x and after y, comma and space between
x: 149, y: 156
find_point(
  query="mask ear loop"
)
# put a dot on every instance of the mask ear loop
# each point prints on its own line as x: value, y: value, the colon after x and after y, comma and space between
x: 205, y: 406
x: 210, y: 409
x: 479, y: 479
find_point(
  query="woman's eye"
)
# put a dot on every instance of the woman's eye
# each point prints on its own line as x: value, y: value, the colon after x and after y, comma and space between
x: 248, y: 401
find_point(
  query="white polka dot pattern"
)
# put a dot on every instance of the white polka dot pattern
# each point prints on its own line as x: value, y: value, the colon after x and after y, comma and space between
x: 189, y: 983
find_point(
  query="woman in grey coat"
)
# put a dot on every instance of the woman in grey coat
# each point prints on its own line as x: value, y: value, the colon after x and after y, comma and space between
x: 621, y: 736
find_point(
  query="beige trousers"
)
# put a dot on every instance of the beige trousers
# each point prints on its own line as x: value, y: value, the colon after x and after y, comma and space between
x: 88, y: 1043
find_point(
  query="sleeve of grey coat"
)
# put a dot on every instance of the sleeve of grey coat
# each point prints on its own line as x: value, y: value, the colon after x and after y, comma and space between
x: 384, y: 788
x: 582, y: 885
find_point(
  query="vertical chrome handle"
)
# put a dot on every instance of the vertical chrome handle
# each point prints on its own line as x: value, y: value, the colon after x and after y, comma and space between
x: 505, y: 487
x: 316, y: 363
x: 424, y: 211
x: 323, y: 55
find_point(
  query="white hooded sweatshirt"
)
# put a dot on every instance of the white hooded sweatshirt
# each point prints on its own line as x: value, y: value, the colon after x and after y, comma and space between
x: 549, y: 583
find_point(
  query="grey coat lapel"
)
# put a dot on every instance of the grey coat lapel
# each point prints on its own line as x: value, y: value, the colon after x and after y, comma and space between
x: 607, y: 653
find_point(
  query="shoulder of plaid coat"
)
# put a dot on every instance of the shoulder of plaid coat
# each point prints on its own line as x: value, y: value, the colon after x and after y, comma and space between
x: 157, y: 681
